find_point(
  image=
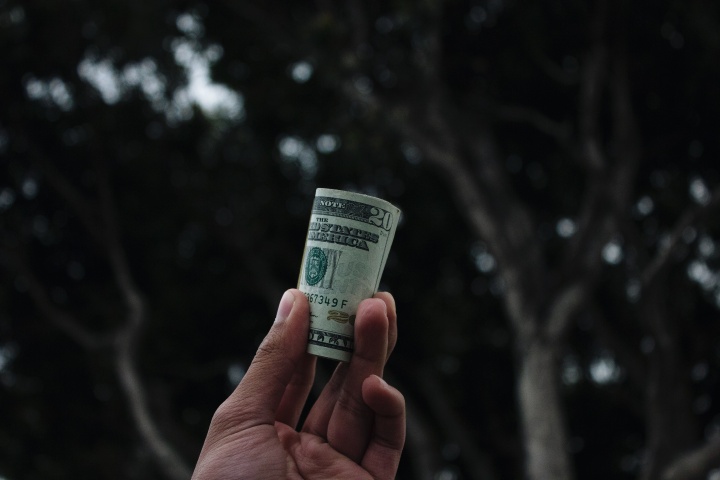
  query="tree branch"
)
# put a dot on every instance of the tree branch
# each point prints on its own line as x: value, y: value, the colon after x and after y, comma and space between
x: 164, y: 454
x: 560, y: 131
x: 625, y: 132
x: 487, y: 200
x: 103, y: 228
x: 77, y: 202
x: 567, y: 304
x: 609, y: 184
x: 690, y: 217
x: 444, y: 156
x: 591, y: 90
x: 16, y: 260
x: 695, y: 463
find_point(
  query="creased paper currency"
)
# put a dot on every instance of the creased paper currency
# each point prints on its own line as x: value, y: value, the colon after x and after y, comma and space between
x: 348, y: 242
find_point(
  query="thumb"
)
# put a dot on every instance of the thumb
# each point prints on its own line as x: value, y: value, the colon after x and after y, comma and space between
x: 257, y: 397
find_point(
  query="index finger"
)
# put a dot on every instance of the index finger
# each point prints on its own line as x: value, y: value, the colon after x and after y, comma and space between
x: 258, y: 396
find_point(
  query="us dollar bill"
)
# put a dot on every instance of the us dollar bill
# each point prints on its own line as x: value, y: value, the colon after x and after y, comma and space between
x: 347, y: 246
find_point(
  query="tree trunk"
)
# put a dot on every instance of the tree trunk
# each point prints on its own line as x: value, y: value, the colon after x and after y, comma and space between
x: 542, y: 421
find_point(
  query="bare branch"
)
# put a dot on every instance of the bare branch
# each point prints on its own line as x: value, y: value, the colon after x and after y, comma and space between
x: 625, y: 134
x: 432, y: 134
x: 79, y: 204
x: 511, y: 215
x: 609, y: 184
x: 168, y: 459
x: 116, y: 253
x: 591, y: 90
x: 428, y: 51
x: 566, y: 305
x: 560, y: 131
x: 64, y: 321
x: 688, y: 218
x: 509, y: 234
x: 590, y: 96
x: 445, y: 157
x: 695, y: 463
x: 594, y: 161
x: 103, y: 228
x: 481, y: 219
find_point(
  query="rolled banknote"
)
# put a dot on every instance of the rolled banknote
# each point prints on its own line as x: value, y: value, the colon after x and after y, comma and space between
x: 348, y: 242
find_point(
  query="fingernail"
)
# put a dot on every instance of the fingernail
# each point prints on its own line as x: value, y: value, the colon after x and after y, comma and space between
x: 286, y: 303
x: 382, y: 381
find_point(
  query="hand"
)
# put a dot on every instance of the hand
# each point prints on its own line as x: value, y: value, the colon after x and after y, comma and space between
x: 355, y: 429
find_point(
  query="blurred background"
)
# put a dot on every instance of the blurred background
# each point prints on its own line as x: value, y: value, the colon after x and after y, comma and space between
x: 556, y: 269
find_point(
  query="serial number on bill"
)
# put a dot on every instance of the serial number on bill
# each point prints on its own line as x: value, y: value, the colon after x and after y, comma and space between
x: 325, y: 300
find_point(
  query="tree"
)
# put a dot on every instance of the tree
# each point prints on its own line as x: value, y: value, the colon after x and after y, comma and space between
x: 565, y: 317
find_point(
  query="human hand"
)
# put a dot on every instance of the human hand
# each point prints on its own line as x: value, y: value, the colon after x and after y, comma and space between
x: 355, y: 429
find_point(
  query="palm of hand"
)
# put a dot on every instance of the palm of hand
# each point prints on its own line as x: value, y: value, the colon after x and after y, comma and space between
x: 312, y: 457
x: 277, y: 452
x: 355, y: 429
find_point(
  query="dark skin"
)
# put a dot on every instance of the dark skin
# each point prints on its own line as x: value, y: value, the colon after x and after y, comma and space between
x: 355, y: 429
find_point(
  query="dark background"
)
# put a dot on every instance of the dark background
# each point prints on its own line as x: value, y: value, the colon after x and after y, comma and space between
x: 556, y: 269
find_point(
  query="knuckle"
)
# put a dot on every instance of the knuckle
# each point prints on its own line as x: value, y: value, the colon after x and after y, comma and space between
x: 269, y: 347
x: 223, y: 420
x: 223, y: 414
